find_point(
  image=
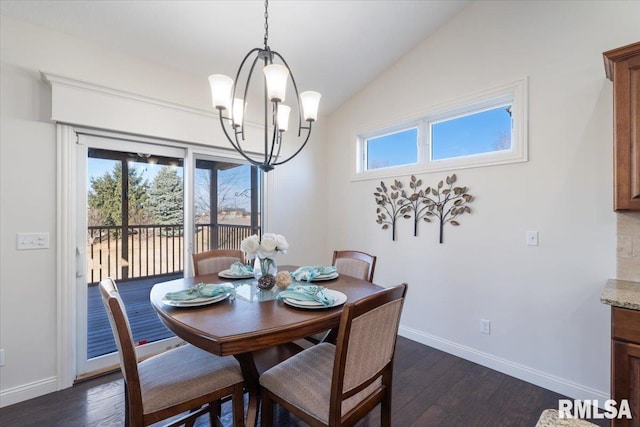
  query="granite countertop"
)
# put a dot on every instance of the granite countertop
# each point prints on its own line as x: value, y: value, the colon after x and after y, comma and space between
x: 551, y: 418
x: 621, y: 293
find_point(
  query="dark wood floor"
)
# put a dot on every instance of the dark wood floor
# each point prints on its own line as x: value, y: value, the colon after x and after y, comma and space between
x: 431, y: 388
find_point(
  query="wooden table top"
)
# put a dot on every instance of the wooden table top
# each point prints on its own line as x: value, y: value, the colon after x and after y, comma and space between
x: 245, y: 324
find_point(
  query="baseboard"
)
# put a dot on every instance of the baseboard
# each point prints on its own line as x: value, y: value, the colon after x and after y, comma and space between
x: 27, y: 391
x: 524, y: 373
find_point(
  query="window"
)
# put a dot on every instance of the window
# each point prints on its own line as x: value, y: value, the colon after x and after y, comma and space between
x: 476, y: 133
x: 486, y: 129
x: 393, y: 149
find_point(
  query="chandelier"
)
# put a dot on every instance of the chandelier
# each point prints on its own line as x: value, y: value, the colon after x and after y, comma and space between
x: 230, y: 99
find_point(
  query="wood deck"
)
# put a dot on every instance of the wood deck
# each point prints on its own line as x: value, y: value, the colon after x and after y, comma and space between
x: 144, y: 321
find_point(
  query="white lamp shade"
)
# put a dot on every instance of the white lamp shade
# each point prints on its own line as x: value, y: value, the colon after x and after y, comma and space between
x: 283, y: 117
x: 221, y: 87
x: 310, y: 101
x: 238, y: 111
x: 276, y: 76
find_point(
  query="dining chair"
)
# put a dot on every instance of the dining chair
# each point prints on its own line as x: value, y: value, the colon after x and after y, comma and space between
x: 215, y: 261
x: 171, y: 383
x: 355, y: 263
x: 336, y: 385
x: 352, y: 263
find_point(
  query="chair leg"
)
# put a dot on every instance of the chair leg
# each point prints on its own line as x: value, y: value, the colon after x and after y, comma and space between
x: 385, y: 409
x: 127, y: 411
x: 215, y: 409
x: 237, y: 401
x: 266, y: 410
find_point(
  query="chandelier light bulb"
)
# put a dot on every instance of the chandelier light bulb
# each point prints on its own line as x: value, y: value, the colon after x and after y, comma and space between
x: 276, y: 76
x: 238, y: 109
x: 310, y: 101
x: 221, y: 87
x: 283, y: 117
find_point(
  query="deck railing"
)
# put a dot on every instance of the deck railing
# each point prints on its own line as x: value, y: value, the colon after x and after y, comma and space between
x: 152, y: 250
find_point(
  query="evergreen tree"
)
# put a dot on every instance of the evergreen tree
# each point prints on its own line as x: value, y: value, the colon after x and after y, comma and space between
x: 166, y: 197
x: 105, y: 198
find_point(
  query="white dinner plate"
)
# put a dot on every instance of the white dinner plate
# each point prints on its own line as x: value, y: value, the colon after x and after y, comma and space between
x: 228, y: 275
x: 322, y: 277
x: 196, y: 302
x: 340, y: 299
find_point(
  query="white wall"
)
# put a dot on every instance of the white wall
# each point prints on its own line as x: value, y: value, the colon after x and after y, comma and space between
x: 548, y: 326
x: 28, y: 329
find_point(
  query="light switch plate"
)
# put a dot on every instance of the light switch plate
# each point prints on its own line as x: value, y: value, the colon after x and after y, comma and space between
x: 29, y: 241
x: 532, y: 238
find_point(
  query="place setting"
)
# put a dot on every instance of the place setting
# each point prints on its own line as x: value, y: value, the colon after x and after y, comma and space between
x: 237, y: 270
x: 311, y: 296
x: 199, y: 295
x: 315, y: 273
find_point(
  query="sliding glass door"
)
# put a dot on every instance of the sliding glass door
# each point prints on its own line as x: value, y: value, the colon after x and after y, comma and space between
x: 143, y: 208
x: 131, y: 216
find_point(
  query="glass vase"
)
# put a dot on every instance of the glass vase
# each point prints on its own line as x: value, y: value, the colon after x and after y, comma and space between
x: 265, y: 270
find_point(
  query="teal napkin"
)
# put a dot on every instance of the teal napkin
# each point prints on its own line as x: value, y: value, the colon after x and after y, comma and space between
x: 309, y: 273
x: 240, y: 269
x: 308, y: 293
x: 200, y: 291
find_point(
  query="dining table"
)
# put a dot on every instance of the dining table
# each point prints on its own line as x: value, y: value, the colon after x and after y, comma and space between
x: 251, y: 324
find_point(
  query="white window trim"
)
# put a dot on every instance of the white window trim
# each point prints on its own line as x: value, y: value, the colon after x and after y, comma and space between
x: 515, y: 93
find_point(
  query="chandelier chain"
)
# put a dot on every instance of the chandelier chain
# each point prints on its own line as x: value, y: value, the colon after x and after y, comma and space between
x: 266, y: 23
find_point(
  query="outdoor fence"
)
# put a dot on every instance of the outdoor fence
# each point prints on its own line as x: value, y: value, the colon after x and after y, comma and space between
x: 141, y: 251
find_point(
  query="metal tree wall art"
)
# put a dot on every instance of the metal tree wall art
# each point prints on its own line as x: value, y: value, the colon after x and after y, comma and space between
x: 458, y: 196
x: 390, y: 206
x: 443, y: 202
x: 418, y: 203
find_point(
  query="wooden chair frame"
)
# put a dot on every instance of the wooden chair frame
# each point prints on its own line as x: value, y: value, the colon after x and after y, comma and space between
x: 362, y: 256
x: 215, y: 253
x: 134, y: 409
x: 382, y: 395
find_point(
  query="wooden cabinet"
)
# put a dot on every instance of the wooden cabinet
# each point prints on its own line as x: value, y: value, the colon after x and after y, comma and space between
x: 622, y: 67
x: 625, y: 363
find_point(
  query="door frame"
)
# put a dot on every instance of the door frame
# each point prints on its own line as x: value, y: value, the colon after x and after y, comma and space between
x: 77, y: 104
x: 71, y: 225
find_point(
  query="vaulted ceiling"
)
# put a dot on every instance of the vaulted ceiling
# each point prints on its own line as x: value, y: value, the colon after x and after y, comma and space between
x: 333, y: 47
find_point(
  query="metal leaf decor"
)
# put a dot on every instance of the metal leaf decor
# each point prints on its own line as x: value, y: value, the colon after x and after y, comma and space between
x: 417, y: 202
x: 443, y: 202
x: 457, y: 199
x: 390, y: 206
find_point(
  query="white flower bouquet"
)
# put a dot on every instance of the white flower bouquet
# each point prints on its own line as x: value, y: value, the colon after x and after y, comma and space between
x: 267, y: 247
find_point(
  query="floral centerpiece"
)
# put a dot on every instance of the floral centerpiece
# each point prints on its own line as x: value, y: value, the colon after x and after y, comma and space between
x: 264, y: 250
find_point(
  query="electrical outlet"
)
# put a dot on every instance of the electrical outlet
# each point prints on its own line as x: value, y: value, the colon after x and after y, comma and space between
x: 2, y: 357
x: 485, y: 326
